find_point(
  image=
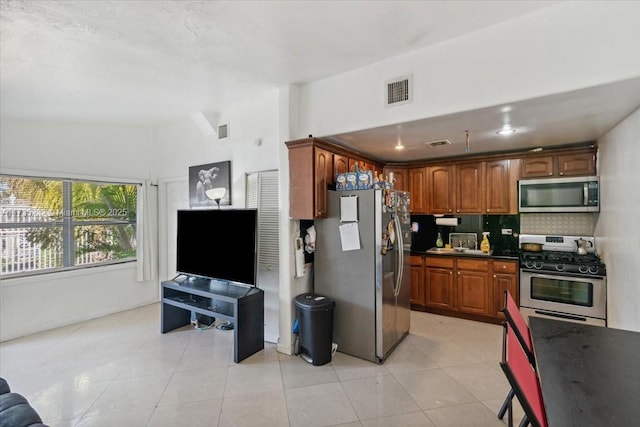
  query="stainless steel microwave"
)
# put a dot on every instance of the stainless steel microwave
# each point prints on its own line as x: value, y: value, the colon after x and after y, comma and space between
x: 576, y: 194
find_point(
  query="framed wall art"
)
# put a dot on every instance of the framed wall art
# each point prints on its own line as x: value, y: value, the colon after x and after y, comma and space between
x: 210, y: 185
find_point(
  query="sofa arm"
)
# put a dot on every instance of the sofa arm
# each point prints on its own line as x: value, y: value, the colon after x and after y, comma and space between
x: 15, y: 410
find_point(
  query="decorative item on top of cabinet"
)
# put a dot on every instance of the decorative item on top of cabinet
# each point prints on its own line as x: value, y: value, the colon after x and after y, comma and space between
x: 418, y: 190
x: 469, y: 194
x: 400, y: 178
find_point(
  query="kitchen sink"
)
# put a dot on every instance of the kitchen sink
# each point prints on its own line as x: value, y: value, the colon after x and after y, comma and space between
x: 458, y: 251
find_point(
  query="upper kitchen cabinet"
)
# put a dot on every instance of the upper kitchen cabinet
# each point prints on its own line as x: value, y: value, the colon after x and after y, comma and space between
x: 577, y: 164
x: 469, y: 194
x: 497, y: 187
x: 570, y: 163
x: 418, y: 190
x: 340, y: 164
x: 310, y: 173
x: 313, y: 165
x: 400, y: 178
x: 440, y: 189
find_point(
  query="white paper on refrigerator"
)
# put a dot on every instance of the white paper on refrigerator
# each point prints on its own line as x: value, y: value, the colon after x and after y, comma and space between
x: 349, y: 236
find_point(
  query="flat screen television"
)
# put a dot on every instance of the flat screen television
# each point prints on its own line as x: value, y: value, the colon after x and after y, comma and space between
x: 218, y: 244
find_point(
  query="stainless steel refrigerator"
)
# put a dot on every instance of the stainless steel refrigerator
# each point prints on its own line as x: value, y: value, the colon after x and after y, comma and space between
x: 371, y: 285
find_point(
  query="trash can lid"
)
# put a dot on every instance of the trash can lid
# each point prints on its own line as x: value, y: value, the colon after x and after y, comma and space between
x: 312, y: 301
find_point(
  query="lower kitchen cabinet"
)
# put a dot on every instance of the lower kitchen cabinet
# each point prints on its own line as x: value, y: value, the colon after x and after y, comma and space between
x: 504, y: 278
x: 417, y: 280
x: 471, y: 287
x: 439, y: 286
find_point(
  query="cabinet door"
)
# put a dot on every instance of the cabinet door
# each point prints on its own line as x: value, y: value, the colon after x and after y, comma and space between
x: 340, y: 164
x: 473, y: 292
x: 497, y: 187
x: 504, y: 278
x: 537, y: 167
x: 417, y: 188
x: 323, y: 177
x: 400, y: 178
x: 439, y: 287
x: 470, y: 188
x: 501, y: 283
x: 417, y: 284
x: 440, y: 189
x: 576, y: 164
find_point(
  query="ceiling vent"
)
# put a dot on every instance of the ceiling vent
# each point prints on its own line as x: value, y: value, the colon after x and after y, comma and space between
x: 437, y: 143
x: 223, y: 131
x: 398, y: 91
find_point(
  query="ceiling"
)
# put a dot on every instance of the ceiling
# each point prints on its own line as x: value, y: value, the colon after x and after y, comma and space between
x: 155, y: 62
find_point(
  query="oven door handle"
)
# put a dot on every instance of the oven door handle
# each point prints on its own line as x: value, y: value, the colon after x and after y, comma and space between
x: 557, y: 274
x: 560, y: 315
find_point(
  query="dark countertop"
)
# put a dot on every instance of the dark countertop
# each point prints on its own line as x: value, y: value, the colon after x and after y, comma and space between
x: 496, y: 254
x: 590, y: 375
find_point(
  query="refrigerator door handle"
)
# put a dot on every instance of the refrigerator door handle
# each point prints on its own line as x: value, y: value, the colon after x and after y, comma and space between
x: 399, y: 257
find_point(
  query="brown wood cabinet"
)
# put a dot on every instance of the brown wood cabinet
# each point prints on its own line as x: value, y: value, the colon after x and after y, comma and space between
x: 567, y: 164
x: 469, y: 188
x: 340, y: 164
x: 310, y: 172
x: 497, y: 187
x: 439, y: 283
x: 400, y: 178
x: 504, y: 277
x: 440, y: 189
x: 576, y: 164
x: 473, y: 286
x: 418, y: 190
x: 417, y: 280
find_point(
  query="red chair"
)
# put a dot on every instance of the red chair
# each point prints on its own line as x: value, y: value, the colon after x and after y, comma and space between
x: 522, y: 333
x: 524, y: 381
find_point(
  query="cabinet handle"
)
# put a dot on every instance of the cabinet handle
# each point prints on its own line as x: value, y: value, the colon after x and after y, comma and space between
x: 550, y: 173
x: 488, y: 210
x: 494, y: 275
x: 561, y: 173
x: 450, y: 273
x: 458, y: 273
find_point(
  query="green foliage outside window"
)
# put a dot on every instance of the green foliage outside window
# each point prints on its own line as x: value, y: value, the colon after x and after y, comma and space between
x: 51, y: 223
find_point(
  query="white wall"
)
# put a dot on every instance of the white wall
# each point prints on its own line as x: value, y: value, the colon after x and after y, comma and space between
x: 32, y: 304
x: 560, y: 48
x: 178, y: 146
x: 618, y: 228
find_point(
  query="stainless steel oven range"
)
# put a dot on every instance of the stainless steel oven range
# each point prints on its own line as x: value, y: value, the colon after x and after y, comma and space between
x: 559, y: 283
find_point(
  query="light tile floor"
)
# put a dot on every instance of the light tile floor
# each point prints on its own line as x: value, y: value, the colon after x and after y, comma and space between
x: 119, y: 370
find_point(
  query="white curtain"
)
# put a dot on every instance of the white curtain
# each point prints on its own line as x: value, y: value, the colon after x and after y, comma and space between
x: 146, y: 236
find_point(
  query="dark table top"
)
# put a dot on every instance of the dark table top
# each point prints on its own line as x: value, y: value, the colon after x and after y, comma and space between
x: 590, y: 375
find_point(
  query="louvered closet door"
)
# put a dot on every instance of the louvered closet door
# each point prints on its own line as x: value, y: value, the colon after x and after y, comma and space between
x: 262, y: 193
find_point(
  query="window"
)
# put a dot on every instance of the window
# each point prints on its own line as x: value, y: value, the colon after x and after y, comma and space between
x: 52, y: 224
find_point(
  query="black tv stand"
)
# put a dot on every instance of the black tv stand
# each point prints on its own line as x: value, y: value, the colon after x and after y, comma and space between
x: 242, y: 306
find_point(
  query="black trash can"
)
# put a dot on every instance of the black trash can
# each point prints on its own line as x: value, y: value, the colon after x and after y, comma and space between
x: 315, y: 327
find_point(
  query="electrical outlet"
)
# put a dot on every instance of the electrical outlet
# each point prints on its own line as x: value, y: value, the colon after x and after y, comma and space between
x: 507, y: 231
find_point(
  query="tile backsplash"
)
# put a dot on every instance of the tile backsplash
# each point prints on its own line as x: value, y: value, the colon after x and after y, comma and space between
x: 574, y: 224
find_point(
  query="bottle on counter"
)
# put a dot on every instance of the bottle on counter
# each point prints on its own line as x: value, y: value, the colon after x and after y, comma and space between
x: 484, y: 245
x: 439, y: 242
